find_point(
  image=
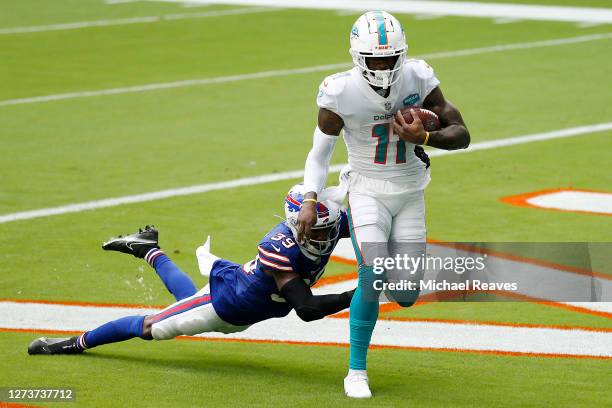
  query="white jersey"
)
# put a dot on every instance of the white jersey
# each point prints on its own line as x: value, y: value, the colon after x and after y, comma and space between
x: 373, y: 149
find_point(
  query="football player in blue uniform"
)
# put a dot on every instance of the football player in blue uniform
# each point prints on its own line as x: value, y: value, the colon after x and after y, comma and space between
x: 237, y: 296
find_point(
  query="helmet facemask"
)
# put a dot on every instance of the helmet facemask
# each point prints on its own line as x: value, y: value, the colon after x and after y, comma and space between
x: 326, y: 230
x: 380, y: 78
x: 322, y: 238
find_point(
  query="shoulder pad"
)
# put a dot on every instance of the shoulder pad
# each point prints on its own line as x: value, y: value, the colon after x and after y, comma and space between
x: 420, y: 68
x: 334, y: 84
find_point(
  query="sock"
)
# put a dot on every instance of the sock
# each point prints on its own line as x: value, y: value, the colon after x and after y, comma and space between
x: 363, y: 316
x: 142, y: 250
x: 118, y: 330
x: 355, y: 372
x: 177, y: 282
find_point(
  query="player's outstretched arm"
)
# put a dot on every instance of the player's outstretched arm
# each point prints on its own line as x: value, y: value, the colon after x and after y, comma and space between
x: 308, y: 306
x: 317, y: 168
x: 454, y: 133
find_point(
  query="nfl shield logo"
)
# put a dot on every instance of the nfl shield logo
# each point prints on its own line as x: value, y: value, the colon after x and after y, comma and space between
x: 388, y: 106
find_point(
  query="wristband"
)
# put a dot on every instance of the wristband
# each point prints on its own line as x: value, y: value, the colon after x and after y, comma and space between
x: 426, y: 138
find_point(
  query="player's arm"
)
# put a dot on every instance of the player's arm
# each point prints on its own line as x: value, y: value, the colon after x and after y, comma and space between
x: 308, y: 306
x: 454, y: 133
x: 317, y: 167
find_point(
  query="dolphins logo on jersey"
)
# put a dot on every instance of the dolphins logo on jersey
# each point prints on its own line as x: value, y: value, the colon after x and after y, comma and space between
x: 411, y: 99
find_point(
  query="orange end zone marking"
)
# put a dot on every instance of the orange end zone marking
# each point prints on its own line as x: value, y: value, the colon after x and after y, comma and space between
x: 373, y: 346
x: 494, y: 323
x: 520, y: 200
x: 383, y: 308
x: 15, y: 405
x: 440, y: 296
x: 76, y: 303
x: 511, y: 257
x: 329, y: 280
x: 342, y: 260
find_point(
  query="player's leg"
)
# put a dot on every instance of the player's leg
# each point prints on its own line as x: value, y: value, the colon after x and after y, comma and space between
x: 144, y: 244
x: 190, y: 316
x: 370, y: 224
x: 121, y: 329
x: 408, y: 237
x: 176, y: 281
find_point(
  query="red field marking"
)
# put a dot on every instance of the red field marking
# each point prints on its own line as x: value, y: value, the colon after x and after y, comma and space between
x: 373, y: 346
x: 15, y: 405
x: 520, y: 200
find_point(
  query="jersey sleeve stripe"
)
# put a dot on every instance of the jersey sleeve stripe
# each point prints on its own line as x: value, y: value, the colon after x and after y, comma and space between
x: 276, y: 266
x: 269, y: 254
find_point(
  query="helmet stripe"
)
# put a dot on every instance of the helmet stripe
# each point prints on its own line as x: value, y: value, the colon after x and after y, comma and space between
x: 382, y: 32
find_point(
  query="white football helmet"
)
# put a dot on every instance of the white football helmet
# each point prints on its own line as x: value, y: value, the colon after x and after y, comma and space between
x: 328, y: 222
x: 378, y: 34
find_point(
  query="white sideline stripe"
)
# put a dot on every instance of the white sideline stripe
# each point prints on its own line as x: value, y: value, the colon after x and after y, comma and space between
x: 132, y: 20
x: 474, y: 337
x: 120, y: 1
x: 445, y: 8
x: 555, y: 134
x: 298, y: 71
x: 269, y: 178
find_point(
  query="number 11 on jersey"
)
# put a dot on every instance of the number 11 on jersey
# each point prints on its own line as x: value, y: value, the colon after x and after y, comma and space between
x: 382, y: 132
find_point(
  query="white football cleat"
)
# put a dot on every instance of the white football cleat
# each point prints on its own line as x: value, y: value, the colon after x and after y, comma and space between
x: 205, y: 258
x: 356, y: 384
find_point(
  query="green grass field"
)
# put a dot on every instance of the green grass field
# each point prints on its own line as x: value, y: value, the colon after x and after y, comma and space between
x: 75, y: 150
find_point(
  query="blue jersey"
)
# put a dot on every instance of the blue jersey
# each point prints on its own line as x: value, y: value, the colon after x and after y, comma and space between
x: 245, y: 294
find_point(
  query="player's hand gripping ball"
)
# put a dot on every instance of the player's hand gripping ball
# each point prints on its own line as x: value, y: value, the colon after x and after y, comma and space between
x: 413, y: 129
x: 428, y: 118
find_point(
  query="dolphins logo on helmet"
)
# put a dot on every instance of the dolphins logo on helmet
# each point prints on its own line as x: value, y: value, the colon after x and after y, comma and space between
x: 378, y: 34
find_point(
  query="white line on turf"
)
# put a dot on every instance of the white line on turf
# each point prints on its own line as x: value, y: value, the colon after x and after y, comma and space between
x: 119, y: 1
x: 299, y: 71
x: 445, y: 8
x: 268, y: 178
x: 133, y: 20
x: 459, y: 336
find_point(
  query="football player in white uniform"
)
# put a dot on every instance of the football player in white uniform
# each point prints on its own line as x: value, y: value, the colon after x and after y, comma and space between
x: 388, y: 169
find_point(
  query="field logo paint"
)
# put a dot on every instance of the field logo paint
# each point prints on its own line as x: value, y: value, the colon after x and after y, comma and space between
x: 566, y: 200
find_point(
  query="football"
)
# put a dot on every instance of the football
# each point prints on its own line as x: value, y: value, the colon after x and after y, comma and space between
x: 430, y: 119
